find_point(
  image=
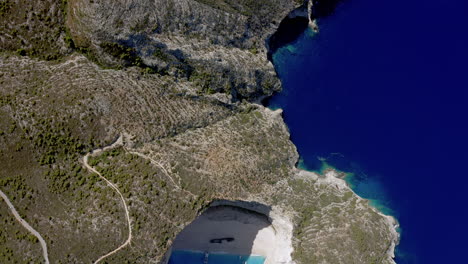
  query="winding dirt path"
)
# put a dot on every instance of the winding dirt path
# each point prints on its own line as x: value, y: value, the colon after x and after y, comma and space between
x: 27, y: 226
x: 154, y: 162
x: 118, y: 142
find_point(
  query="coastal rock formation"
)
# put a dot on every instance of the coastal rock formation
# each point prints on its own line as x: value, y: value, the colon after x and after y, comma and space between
x: 218, y: 43
x: 290, y: 28
x: 179, y: 71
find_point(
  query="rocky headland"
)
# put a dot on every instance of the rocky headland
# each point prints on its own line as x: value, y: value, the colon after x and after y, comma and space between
x: 179, y: 81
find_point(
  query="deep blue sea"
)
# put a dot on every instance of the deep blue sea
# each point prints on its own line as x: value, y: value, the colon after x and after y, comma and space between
x: 195, y: 257
x: 382, y: 92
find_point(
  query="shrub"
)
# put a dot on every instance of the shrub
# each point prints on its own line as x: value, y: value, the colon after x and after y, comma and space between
x: 21, y: 52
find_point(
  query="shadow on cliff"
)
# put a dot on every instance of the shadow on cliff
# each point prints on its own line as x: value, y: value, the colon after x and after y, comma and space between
x: 290, y: 28
x: 297, y: 21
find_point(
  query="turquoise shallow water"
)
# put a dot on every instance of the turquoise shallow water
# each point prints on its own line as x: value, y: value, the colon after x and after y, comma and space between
x: 196, y: 257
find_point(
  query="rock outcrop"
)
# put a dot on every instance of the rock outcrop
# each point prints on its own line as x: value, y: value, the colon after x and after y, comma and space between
x: 220, y: 44
x: 290, y: 28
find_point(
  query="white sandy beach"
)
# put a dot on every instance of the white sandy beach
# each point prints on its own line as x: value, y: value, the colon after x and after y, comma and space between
x: 253, y: 234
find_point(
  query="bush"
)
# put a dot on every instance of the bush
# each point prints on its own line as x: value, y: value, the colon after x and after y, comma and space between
x: 4, y: 7
x: 21, y: 52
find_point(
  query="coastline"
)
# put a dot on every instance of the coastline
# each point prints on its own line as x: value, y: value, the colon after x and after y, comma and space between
x: 186, y: 135
x: 331, y: 176
x: 327, y: 173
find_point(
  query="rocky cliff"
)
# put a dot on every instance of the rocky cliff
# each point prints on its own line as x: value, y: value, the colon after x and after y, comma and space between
x: 219, y: 44
x: 177, y: 80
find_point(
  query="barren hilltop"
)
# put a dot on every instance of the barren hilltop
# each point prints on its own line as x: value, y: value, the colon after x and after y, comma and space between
x: 122, y: 121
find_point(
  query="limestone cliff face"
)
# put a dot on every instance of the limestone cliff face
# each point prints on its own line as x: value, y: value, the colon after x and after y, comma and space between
x: 221, y: 44
x: 188, y: 140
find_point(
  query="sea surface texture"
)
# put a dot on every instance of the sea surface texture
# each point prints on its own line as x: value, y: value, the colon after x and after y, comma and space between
x: 381, y: 92
x: 194, y: 257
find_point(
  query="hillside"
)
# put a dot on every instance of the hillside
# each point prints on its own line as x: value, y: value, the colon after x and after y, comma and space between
x: 178, y: 82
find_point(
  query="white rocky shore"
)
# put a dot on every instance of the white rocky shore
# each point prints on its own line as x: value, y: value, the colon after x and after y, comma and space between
x: 273, y: 240
x: 331, y: 177
x: 257, y: 229
x: 241, y: 228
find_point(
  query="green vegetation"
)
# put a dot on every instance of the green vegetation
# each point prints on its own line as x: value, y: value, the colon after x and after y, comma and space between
x: 21, y: 52
x: 253, y: 50
x: 126, y: 55
x: 60, y: 180
x: 210, y: 82
x: 6, y: 100
x: 151, y: 195
x: 5, y: 6
x: 204, y: 80
x: 160, y: 54
x: 69, y: 41
x: 32, y: 28
x: 9, y: 255
x: 17, y: 185
x: 57, y: 142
